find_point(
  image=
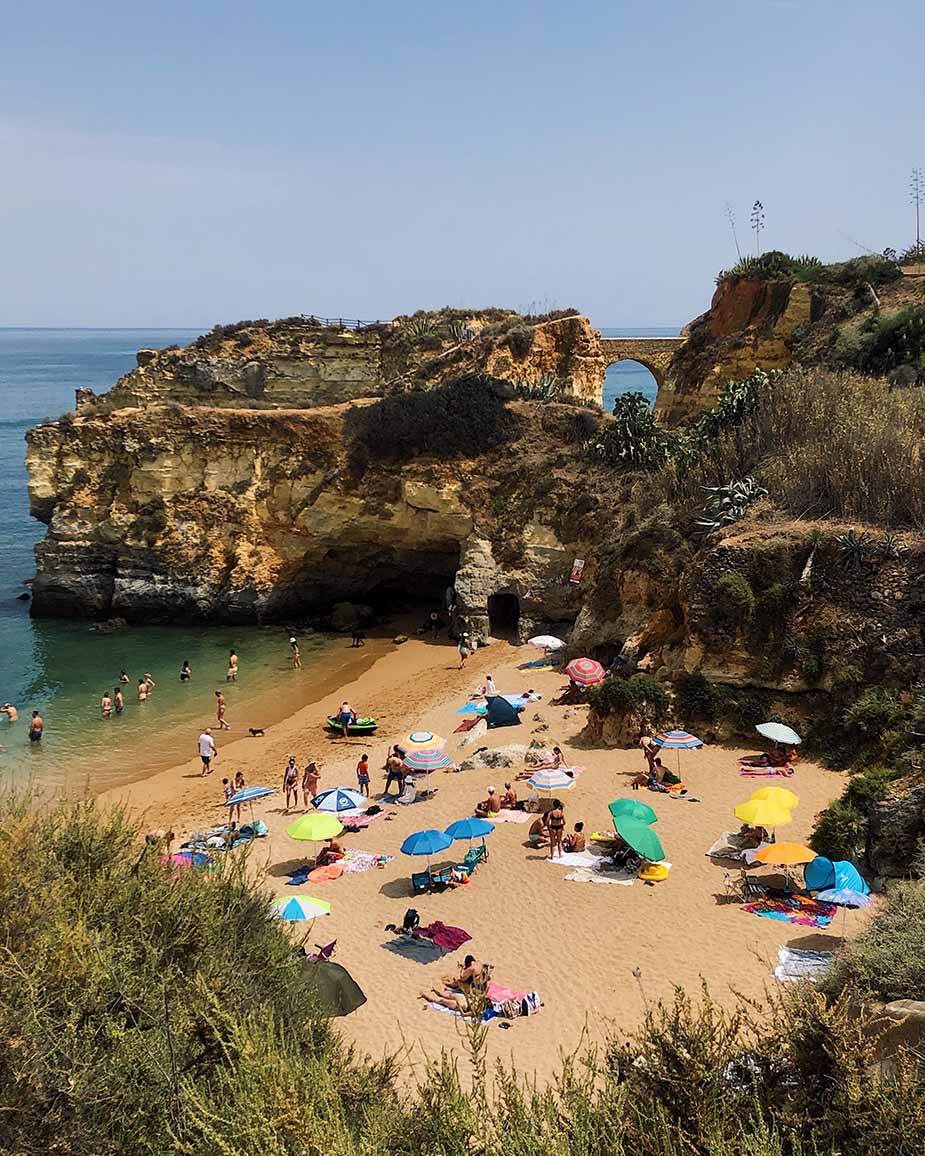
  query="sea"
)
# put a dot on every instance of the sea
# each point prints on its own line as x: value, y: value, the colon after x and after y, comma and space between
x: 62, y: 668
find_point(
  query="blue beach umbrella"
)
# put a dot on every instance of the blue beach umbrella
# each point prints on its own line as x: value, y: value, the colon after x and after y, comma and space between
x: 471, y: 828
x: 337, y: 799
x: 677, y: 741
x: 248, y: 795
x: 427, y: 843
x: 844, y: 897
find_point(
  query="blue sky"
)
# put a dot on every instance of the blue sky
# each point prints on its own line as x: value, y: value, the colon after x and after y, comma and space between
x: 187, y: 163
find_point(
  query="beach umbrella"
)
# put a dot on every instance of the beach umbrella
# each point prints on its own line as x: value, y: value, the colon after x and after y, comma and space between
x: 471, y: 828
x: 585, y: 671
x: 844, y: 897
x: 777, y: 795
x: 630, y: 809
x: 551, y: 779
x: 640, y: 837
x: 248, y: 795
x: 785, y: 854
x: 763, y: 813
x: 424, y: 740
x: 429, y: 842
x: 547, y: 641
x: 314, y: 827
x: 336, y: 799
x: 677, y: 741
x: 335, y: 991
x: 300, y: 908
x: 429, y: 759
x: 778, y: 733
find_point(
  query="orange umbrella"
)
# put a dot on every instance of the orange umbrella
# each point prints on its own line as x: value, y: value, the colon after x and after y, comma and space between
x: 785, y: 854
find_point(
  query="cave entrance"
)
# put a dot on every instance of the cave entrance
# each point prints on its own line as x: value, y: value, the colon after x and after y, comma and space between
x: 503, y: 616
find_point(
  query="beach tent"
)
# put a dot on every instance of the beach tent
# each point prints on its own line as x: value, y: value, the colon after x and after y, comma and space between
x: 824, y: 875
x: 502, y: 713
x: 335, y: 991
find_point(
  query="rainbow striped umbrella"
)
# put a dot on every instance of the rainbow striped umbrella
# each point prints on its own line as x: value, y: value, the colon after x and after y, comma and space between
x: 585, y: 671
x: 677, y: 741
x: 844, y: 897
x: 424, y: 740
x: 551, y: 779
x: 300, y: 908
x: 429, y: 759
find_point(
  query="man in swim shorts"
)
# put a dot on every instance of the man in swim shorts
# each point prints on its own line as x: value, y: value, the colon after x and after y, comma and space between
x: 36, y: 727
x: 207, y: 750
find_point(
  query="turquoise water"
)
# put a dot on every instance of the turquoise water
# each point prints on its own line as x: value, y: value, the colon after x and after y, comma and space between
x: 63, y: 668
x: 630, y: 376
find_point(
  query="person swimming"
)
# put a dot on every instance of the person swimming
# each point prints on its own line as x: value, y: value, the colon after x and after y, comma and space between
x: 185, y: 673
x: 106, y: 704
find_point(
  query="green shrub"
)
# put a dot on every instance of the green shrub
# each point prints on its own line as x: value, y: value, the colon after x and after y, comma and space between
x: 635, y: 439
x: 775, y: 265
x: 733, y: 602
x: 641, y: 694
x: 462, y: 418
x: 875, y: 711
x: 842, y: 828
x: 772, y: 606
x: 695, y: 698
x: 520, y: 341
x: 742, y: 707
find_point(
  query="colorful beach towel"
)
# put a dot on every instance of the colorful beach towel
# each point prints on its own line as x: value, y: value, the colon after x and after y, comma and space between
x: 326, y: 874
x: 355, y: 862
x: 359, y: 821
x: 793, y: 909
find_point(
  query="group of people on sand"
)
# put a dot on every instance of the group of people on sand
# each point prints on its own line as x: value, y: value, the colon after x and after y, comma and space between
x: 548, y: 829
x: 656, y: 776
x: 307, y: 779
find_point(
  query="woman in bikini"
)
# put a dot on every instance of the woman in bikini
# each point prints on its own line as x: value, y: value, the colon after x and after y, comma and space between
x: 459, y: 992
x: 555, y: 825
x: 310, y: 779
x: 291, y: 783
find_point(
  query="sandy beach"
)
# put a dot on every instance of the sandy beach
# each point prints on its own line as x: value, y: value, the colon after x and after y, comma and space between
x: 578, y: 944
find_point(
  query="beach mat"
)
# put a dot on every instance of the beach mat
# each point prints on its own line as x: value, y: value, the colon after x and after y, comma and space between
x: 576, y: 859
x: 729, y: 846
x: 419, y: 950
x: 797, y: 909
x: 505, y: 816
x: 465, y: 725
x: 797, y: 963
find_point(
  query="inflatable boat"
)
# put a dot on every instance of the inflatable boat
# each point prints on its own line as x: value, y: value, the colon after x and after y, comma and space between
x: 363, y: 726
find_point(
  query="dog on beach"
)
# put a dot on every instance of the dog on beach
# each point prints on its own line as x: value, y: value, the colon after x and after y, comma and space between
x: 256, y: 732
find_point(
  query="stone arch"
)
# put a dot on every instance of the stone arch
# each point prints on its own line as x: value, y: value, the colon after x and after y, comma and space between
x: 651, y: 364
x: 655, y: 353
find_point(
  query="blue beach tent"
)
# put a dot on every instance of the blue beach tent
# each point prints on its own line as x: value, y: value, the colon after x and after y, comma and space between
x: 823, y: 875
x: 502, y: 713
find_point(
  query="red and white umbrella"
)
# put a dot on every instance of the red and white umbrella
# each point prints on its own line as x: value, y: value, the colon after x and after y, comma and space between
x: 585, y: 671
x: 427, y: 760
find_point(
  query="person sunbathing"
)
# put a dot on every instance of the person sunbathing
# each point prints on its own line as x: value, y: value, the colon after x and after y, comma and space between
x: 752, y: 837
x: 509, y: 798
x: 489, y: 806
x: 538, y: 836
x: 779, y: 757
x: 576, y: 840
x: 460, y: 990
x: 552, y: 763
x: 330, y: 853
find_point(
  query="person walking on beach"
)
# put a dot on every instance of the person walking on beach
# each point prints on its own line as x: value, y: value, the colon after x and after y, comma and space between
x: 296, y: 657
x: 232, y: 675
x: 363, y: 774
x: 185, y: 673
x: 118, y: 700
x: 310, y: 779
x: 106, y: 705
x: 207, y: 750
x: 291, y: 783
x: 463, y: 649
x: 223, y: 725
x: 36, y: 727
x: 555, y: 825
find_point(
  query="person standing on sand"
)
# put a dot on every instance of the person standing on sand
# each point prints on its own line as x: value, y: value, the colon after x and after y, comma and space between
x: 207, y: 750
x: 463, y: 649
x: 296, y: 657
x: 310, y: 783
x: 650, y: 750
x: 395, y: 771
x: 363, y: 774
x: 555, y: 825
x: 118, y: 700
x: 346, y: 718
x: 36, y: 727
x: 232, y: 675
x: 220, y: 711
x: 106, y: 705
x: 291, y: 783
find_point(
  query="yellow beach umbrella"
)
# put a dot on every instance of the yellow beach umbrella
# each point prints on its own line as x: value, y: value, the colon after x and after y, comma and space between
x: 424, y: 740
x: 785, y: 854
x: 315, y: 826
x: 778, y: 795
x: 763, y: 813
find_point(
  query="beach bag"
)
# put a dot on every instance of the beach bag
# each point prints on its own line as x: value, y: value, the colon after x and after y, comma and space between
x: 411, y: 921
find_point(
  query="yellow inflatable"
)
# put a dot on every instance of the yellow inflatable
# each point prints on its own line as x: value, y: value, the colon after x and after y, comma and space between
x: 652, y: 872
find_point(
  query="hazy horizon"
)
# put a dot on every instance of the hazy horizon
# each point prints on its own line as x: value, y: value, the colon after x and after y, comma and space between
x: 212, y: 162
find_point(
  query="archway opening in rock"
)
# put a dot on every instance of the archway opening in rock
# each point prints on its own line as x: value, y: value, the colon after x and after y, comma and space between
x: 504, y: 615
x: 628, y: 376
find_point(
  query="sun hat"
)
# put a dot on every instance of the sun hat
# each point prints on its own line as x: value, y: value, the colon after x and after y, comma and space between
x: 292, y: 639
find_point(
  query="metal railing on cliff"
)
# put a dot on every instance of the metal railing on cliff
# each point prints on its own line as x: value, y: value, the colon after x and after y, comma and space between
x: 340, y: 322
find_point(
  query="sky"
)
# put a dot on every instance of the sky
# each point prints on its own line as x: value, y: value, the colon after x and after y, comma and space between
x: 194, y: 162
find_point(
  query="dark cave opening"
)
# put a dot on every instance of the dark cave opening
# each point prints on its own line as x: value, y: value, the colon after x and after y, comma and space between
x: 504, y: 616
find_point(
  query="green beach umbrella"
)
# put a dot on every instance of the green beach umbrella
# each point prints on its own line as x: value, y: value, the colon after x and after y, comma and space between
x: 641, y: 838
x: 315, y: 826
x: 630, y: 809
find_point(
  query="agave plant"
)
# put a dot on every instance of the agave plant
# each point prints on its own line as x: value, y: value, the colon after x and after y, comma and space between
x: 459, y: 331
x: 545, y: 388
x: 419, y: 326
x: 891, y: 548
x: 727, y: 504
x: 854, y: 548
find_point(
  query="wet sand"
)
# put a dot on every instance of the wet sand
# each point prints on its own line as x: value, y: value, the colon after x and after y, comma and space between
x: 579, y: 945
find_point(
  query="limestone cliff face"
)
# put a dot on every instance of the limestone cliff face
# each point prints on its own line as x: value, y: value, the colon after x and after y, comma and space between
x: 170, y: 513
x: 751, y: 324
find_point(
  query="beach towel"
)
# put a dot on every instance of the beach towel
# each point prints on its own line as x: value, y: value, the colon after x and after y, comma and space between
x: 326, y: 874
x: 298, y: 877
x: 730, y: 846
x: 412, y: 948
x: 465, y: 725
x: 796, y: 964
x: 357, y: 822
x: 505, y: 816
x: 576, y: 859
x: 590, y: 875
x: 355, y: 862
x: 793, y: 909
x: 495, y: 993
x: 449, y: 938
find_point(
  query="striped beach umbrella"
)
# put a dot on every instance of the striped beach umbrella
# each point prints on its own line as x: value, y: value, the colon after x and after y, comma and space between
x: 248, y: 795
x: 337, y: 799
x: 427, y: 759
x: 585, y: 671
x: 677, y: 741
x: 424, y: 740
x: 300, y: 908
x: 551, y: 780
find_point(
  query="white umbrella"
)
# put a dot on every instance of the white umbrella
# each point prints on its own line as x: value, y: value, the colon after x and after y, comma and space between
x: 547, y: 641
x: 778, y: 733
